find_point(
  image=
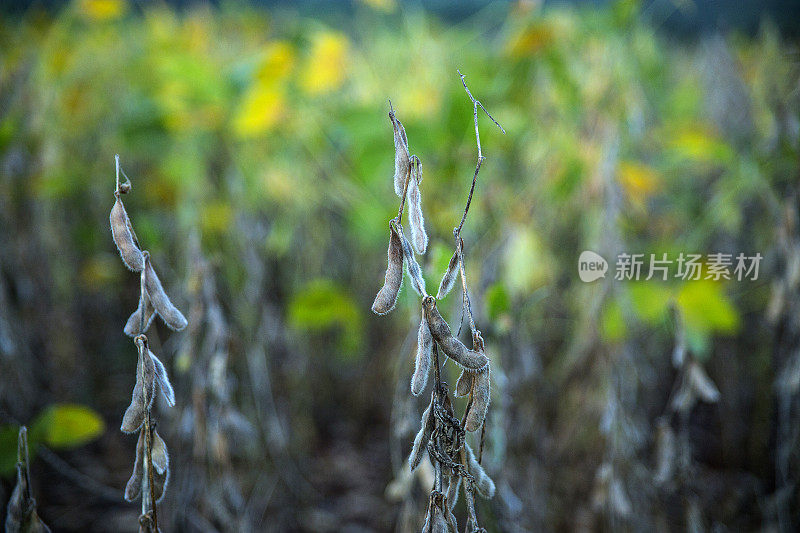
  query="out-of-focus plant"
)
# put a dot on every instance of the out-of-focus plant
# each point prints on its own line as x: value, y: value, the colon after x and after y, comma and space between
x: 21, y: 516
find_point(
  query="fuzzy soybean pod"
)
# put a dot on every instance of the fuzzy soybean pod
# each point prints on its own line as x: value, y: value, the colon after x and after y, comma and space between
x: 387, y: 295
x: 170, y: 314
x: 423, y: 360
x: 402, y: 157
x: 483, y: 483
x: 143, y: 391
x: 451, y: 346
x: 414, y: 270
x: 134, y: 486
x: 160, y: 461
x: 480, y: 400
x: 134, y: 323
x: 464, y: 383
x: 125, y: 238
x: 415, y: 217
x: 427, y: 425
x: 449, y: 278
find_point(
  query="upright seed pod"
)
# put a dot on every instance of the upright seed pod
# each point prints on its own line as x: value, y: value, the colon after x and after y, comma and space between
x: 480, y: 400
x: 170, y: 314
x: 387, y: 295
x: 415, y: 218
x: 427, y: 424
x: 163, y: 380
x: 423, y: 361
x: 402, y: 157
x: 159, y: 454
x: 483, y: 483
x: 134, y: 486
x: 414, y: 270
x: 449, y: 278
x: 124, y: 237
x: 143, y: 391
x: 452, y: 347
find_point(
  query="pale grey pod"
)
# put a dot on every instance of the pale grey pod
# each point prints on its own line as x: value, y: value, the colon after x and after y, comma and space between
x: 170, y: 314
x: 415, y: 218
x: 423, y: 360
x: 414, y: 270
x: 140, y: 402
x: 124, y: 238
x: 402, y: 157
x: 160, y: 482
x: 163, y: 380
x: 134, y: 322
x: 464, y: 383
x: 134, y: 487
x: 480, y: 401
x: 483, y: 483
x: 452, y: 347
x: 702, y: 384
x: 386, y: 298
x: 159, y: 454
x: 427, y: 425
x: 449, y: 278
x: 452, y: 491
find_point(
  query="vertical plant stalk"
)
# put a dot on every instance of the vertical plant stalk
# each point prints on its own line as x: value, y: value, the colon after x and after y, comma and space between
x: 442, y: 434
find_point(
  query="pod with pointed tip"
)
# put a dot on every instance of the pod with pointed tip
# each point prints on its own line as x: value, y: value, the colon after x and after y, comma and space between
x: 451, y: 346
x: 449, y: 278
x: 170, y: 314
x: 480, y: 400
x: 133, y: 488
x: 163, y: 380
x: 402, y: 157
x: 125, y: 238
x: 427, y: 425
x: 483, y: 483
x: 386, y: 298
x: 464, y: 383
x: 452, y: 491
x: 414, y: 270
x: 415, y: 217
x: 423, y: 361
x: 159, y: 454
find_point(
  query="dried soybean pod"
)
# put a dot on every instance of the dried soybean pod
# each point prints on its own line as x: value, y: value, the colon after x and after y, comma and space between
x: 134, y: 487
x: 452, y: 491
x: 427, y: 425
x: 387, y: 296
x: 414, y: 270
x: 480, y: 401
x: 423, y: 360
x: 402, y: 157
x: 449, y: 278
x: 452, y: 347
x: 134, y: 322
x: 170, y: 314
x: 124, y: 238
x: 163, y: 380
x: 415, y: 217
x: 464, y: 383
x: 145, y: 382
x: 158, y: 454
x: 701, y: 384
x: 160, y: 481
x: 483, y: 483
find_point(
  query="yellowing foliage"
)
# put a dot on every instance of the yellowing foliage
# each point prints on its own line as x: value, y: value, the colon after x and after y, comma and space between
x: 325, y: 69
x: 102, y: 9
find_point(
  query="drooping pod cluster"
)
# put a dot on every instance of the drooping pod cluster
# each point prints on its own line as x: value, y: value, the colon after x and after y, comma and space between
x: 151, y: 465
x: 441, y: 435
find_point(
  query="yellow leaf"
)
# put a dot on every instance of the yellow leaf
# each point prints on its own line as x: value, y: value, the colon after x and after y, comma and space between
x: 327, y: 64
x: 276, y: 64
x: 706, y: 308
x: 638, y: 181
x: 387, y: 6
x: 530, y: 40
x: 261, y: 109
x: 67, y: 425
x: 103, y: 9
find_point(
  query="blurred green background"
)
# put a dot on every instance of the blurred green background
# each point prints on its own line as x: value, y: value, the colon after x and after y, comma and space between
x: 261, y: 156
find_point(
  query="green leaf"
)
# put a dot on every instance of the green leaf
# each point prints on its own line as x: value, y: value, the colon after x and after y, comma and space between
x: 612, y: 322
x: 67, y: 426
x: 497, y: 301
x: 322, y: 305
x: 650, y: 301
